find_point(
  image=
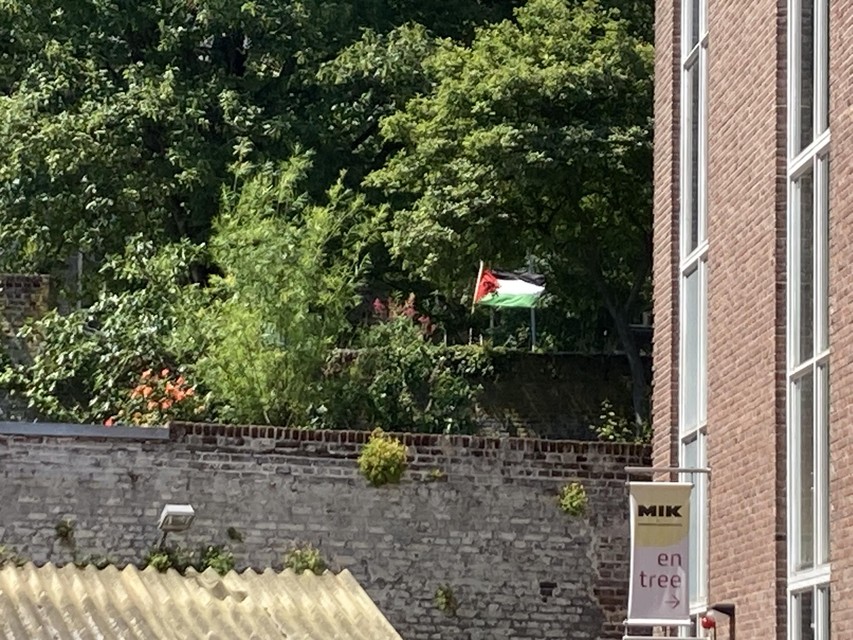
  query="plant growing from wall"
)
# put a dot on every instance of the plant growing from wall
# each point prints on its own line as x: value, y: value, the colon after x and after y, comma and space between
x: 217, y: 558
x: 234, y: 534
x: 382, y: 459
x: 7, y: 556
x: 445, y: 600
x: 436, y: 475
x: 573, y: 499
x: 613, y: 427
x: 180, y: 559
x: 65, y: 532
x: 305, y: 558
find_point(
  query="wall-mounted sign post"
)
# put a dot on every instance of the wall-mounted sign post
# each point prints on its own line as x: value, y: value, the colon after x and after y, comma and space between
x: 660, y: 522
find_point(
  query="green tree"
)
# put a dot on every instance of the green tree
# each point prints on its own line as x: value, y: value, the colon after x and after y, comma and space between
x: 535, y: 139
x: 121, y: 117
x: 289, y: 275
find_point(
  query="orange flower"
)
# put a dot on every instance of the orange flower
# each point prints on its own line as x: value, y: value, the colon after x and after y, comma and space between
x: 181, y: 381
x: 164, y: 373
x: 152, y: 404
x: 190, y: 392
x: 137, y: 391
x: 179, y: 395
x: 146, y: 374
x: 147, y: 391
x: 109, y: 422
x: 165, y: 404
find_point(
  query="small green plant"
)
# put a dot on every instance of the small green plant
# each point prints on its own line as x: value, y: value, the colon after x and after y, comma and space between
x: 172, y: 557
x: 7, y: 556
x: 437, y: 474
x: 234, y: 534
x: 573, y: 499
x: 95, y: 560
x: 445, y: 600
x: 217, y: 558
x: 383, y: 459
x: 305, y: 558
x: 65, y: 531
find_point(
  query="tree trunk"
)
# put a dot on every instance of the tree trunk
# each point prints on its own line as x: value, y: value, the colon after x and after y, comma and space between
x: 639, y: 387
x: 622, y: 323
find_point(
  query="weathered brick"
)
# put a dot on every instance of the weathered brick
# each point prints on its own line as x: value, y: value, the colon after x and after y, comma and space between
x: 493, y: 538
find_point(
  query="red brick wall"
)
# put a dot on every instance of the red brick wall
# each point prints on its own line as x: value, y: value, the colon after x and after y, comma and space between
x: 665, y: 256
x: 746, y: 303
x: 746, y: 311
x: 841, y: 306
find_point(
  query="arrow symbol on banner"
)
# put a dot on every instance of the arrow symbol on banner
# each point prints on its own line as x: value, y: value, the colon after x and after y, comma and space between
x: 673, y: 601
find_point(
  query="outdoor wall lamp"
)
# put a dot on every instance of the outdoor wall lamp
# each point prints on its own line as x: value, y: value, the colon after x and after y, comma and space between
x: 709, y: 620
x: 175, y: 517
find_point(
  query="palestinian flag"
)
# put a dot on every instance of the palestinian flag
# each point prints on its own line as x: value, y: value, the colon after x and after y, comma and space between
x: 508, y: 288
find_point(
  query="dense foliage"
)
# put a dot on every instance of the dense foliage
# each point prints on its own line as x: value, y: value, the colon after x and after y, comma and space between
x: 237, y: 182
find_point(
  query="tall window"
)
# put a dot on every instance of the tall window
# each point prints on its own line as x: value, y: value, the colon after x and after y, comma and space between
x: 808, y: 320
x: 693, y: 284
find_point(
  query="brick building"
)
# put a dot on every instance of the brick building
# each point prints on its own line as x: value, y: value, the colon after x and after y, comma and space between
x: 753, y: 349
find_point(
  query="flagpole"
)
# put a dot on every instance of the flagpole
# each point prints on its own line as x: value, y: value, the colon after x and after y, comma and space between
x: 476, y: 284
x: 532, y: 309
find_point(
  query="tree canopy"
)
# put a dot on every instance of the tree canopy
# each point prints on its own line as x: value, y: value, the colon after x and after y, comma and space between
x: 439, y: 134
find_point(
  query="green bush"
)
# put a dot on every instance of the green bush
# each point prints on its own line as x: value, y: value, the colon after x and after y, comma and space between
x: 573, y: 499
x: 382, y: 459
x: 305, y: 558
x: 612, y: 427
x: 401, y: 378
x: 275, y: 314
x: 84, y: 364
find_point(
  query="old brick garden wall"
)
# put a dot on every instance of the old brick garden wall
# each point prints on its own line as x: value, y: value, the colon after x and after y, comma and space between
x: 489, y: 527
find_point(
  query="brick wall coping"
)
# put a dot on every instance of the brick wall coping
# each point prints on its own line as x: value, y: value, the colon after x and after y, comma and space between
x: 57, y: 430
x: 241, y: 435
x: 222, y: 432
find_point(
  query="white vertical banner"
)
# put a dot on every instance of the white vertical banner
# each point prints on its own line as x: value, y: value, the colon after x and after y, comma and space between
x: 660, y: 524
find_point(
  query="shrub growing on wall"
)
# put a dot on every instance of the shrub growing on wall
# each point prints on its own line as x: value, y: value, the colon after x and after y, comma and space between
x: 305, y: 558
x: 383, y: 459
x: 573, y: 499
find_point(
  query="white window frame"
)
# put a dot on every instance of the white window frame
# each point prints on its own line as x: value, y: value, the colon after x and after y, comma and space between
x: 694, y: 259
x: 814, y: 158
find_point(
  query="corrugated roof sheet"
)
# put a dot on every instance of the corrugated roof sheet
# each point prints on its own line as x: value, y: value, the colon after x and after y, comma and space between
x: 69, y: 602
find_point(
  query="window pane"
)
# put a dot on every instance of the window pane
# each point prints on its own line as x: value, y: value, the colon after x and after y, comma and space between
x: 804, y: 603
x: 694, y: 19
x: 805, y: 471
x: 806, y: 275
x: 822, y: 247
x: 694, y: 158
x: 806, y: 110
x: 822, y: 488
x: 691, y: 459
x: 690, y: 372
x: 823, y: 615
x: 823, y: 70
